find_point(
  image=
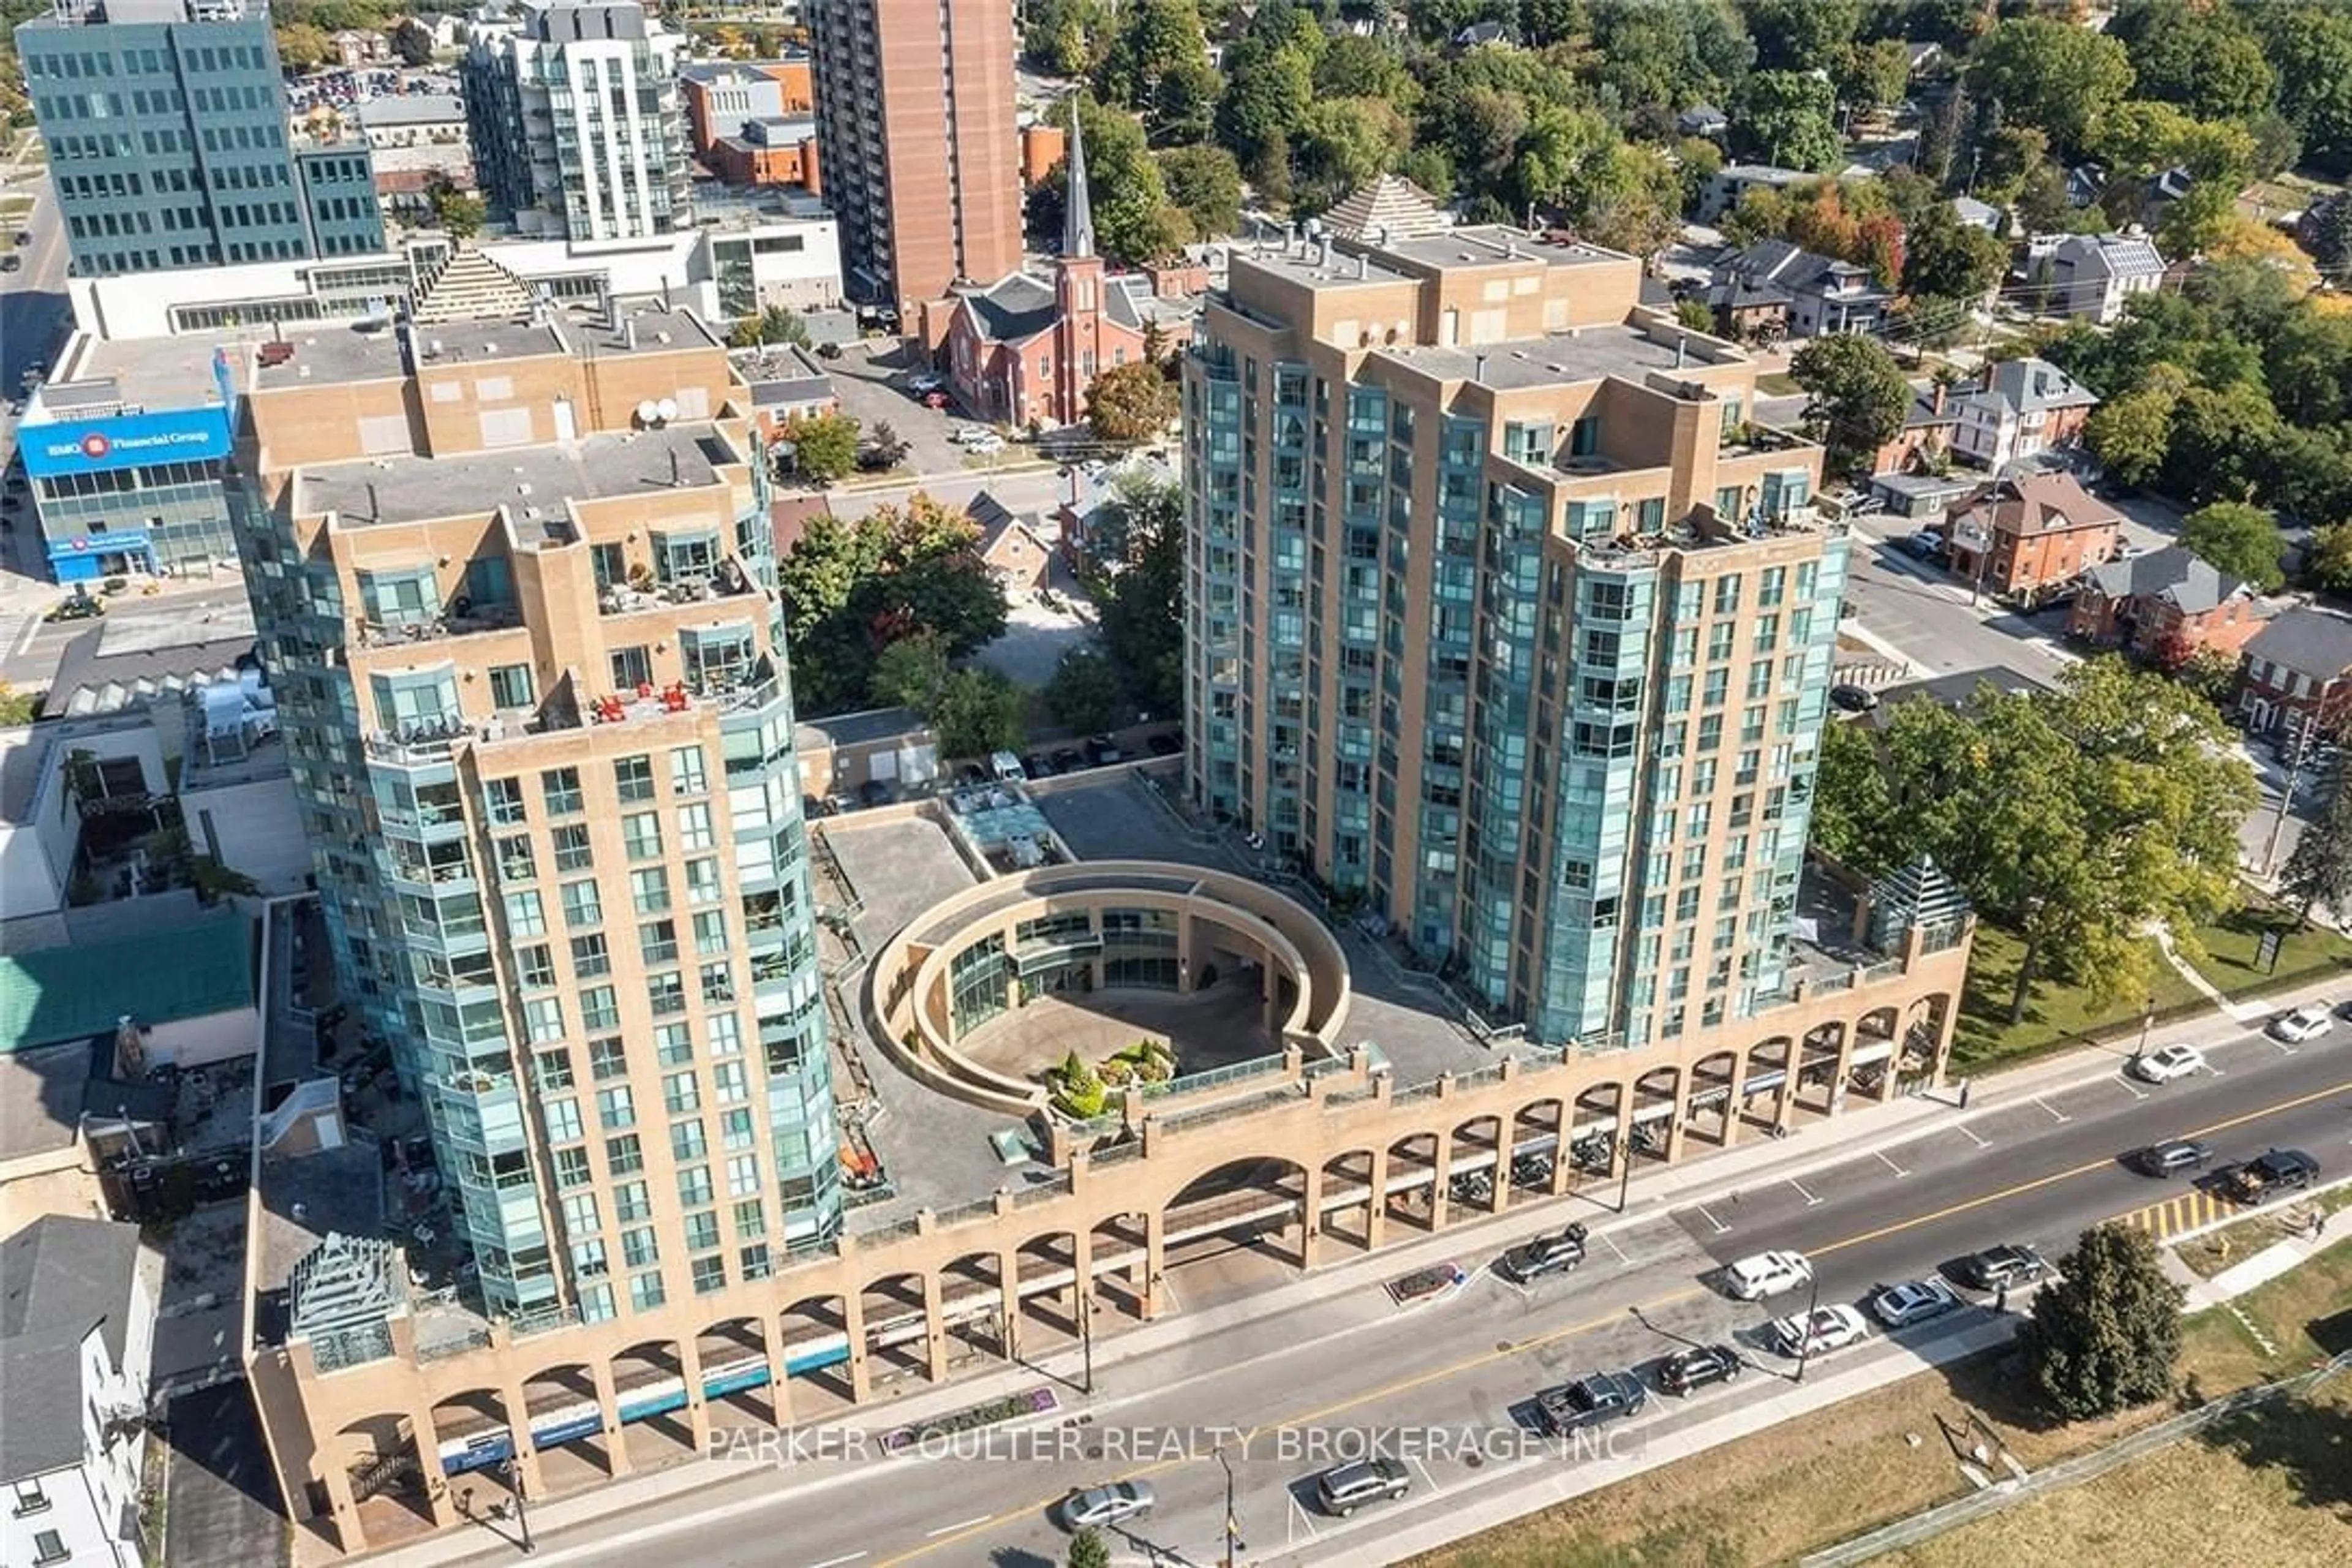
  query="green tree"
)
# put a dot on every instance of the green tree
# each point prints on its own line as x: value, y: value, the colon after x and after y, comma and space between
x: 2320, y: 869
x: 2309, y: 365
x: 2105, y: 1334
x: 1668, y: 56
x: 1852, y: 804
x: 1087, y: 1547
x: 1356, y: 66
x: 1130, y: 403
x: 1054, y: 34
x: 912, y: 673
x: 303, y: 47
x: 1085, y: 692
x: 1943, y: 256
x: 776, y: 324
x: 2332, y: 235
x: 2130, y: 435
x: 849, y: 589
x: 2328, y: 562
x: 2209, y: 672
x: 2237, y: 538
x: 459, y: 213
x: 2054, y: 76
x: 1267, y: 90
x: 1802, y: 34
x: 2310, y: 47
x: 2074, y: 818
x: 2205, y: 58
x: 1855, y: 396
x: 1135, y: 575
x: 1133, y: 220
x: 1874, y: 75
x: 977, y: 713
x: 1693, y: 315
x: 2222, y: 441
x: 1157, y: 64
x: 412, y: 41
x: 1340, y: 143
x: 1787, y: 119
x: 17, y: 707
x: 824, y: 447
x: 1206, y: 183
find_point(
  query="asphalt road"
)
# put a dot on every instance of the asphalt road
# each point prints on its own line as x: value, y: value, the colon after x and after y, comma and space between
x: 34, y: 316
x: 1448, y: 1384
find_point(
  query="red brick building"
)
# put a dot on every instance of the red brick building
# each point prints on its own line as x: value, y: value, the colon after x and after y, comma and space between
x: 2298, y: 669
x: 2164, y: 606
x: 1927, y: 435
x: 2025, y: 538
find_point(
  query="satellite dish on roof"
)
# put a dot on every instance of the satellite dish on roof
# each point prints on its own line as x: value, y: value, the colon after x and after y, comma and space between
x: 666, y: 409
x: 648, y: 411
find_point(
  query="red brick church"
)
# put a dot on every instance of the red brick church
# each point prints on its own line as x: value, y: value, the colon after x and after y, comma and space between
x: 1025, y: 349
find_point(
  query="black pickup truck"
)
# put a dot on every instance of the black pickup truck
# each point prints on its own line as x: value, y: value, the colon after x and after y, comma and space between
x: 1593, y: 1401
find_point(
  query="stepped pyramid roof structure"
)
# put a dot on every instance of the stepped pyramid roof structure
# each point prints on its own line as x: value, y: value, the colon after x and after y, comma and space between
x: 471, y: 287
x: 1395, y: 208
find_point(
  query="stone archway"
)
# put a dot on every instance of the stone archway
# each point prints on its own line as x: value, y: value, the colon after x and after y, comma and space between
x: 1352, y: 1197
x: 473, y: 1442
x: 1654, y: 1125
x: 1539, y: 1163
x: 821, y: 1375
x: 1258, y: 1204
x: 972, y: 1310
x: 568, y: 1427
x: 1920, y: 1058
x: 733, y: 1356
x: 1475, y: 1181
x: 396, y: 1487
x: 1767, y: 1090
x: 1047, y: 1267
x: 897, y: 1329
x: 1596, y: 1126
x: 1820, y: 1078
x: 1121, y: 1257
x: 649, y: 1387
x: 1413, y: 1181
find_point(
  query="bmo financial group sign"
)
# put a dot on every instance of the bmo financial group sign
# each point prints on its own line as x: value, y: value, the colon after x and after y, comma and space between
x: 99, y: 446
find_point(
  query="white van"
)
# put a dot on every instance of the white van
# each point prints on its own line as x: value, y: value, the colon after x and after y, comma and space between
x: 1007, y: 768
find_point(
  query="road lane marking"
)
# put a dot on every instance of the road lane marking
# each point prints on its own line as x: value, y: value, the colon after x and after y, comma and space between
x: 1615, y: 1248
x: 2125, y: 1083
x: 952, y: 1528
x: 1506, y: 1352
x: 1810, y: 1201
x: 1889, y: 1163
x: 2052, y: 1110
x: 838, y: 1562
x: 1720, y: 1228
x: 1299, y: 1508
x: 1969, y: 1133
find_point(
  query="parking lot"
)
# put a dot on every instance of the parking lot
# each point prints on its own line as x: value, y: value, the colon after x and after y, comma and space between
x: 870, y: 381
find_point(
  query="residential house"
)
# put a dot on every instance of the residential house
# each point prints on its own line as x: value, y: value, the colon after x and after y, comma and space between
x: 1748, y: 310
x: 2024, y: 406
x: 1018, y: 548
x: 2026, y: 538
x: 787, y: 383
x: 358, y: 47
x: 840, y: 754
x: 1479, y: 34
x: 77, y: 1343
x: 1977, y: 213
x: 2165, y: 605
x: 2298, y: 670
x: 1703, y: 119
x: 1926, y: 434
x: 776, y: 150
x: 2086, y: 183
x: 1026, y: 349
x: 1825, y: 295
x: 2091, y: 275
x: 1734, y: 181
x: 1925, y: 57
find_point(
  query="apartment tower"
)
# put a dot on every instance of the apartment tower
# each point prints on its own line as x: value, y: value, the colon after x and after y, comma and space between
x: 515, y: 587
x: 577, y: 129
x: 166, y: 126
x: 1506, y: 621
x: 914, y: 118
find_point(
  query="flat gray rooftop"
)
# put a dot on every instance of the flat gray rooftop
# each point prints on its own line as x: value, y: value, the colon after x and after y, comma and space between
x: 152, y: 372
x: 445, y: 343
x: 1560, y: 359
x: 334, y: 352
x: 1488, y: 245
x: 417, y: 490
x: 897, y: 868
x: 1306, y: 267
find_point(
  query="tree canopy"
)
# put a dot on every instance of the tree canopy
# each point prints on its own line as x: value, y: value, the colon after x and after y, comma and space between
x: 2241, y: 540
x: 1855, y: 396
x: 2073, y: 817
x: 2105, y: 1334
x: 1131, y: 401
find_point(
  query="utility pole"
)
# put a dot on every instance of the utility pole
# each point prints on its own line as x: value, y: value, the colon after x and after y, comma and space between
x: 2286, y: 796
x: 522, y: 1512
x: 1087, y: 1335
x: 1625, y: 1164
x: 2147, y: 1022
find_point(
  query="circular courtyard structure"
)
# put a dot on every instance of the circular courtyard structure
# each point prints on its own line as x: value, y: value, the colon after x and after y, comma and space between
x: 980, y: 992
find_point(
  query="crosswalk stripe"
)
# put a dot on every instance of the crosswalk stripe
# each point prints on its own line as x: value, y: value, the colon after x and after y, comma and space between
x: 2177, y: 1214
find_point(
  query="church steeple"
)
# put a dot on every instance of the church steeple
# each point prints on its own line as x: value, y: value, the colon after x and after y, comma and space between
x: 1078, y: 213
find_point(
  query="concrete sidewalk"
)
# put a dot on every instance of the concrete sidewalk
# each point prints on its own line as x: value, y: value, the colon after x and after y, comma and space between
x: 1854, y: 1134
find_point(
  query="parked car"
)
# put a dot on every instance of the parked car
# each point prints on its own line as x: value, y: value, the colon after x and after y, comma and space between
x: 1823, y: 1329
x: 1344, y: 1489
x: 1594, y: 1401
x: 2171, y: 1062
x: 1037, y: 766
x: 2172, y: 1155
x: 1102, y: 751
x: 11, y: 261
x: 1766, y: 1274
x: 2270, y: 1173
x: 1693, y: 1369
x: 1092, y: 1508
x: 828, y: 351
x: 1913, y: 1301
x: 80, y: 607
x: 1165, y: 745
x: 1853, y: 699
x: 2305, y: 1023
x: 1924, y: 545
x: 1556, y: 1253
x: 924, y: 381
x: 1069, y: 760
x: 1998, y: 1267
x: 875, y: 792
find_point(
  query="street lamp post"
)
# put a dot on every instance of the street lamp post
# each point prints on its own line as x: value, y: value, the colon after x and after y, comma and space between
x: 2147, y: 1022
x: 1234, y: 1545
x: 513, y: 1474
x: 1625, y: 1171
x: 1805, y: 1340
x: 1087, y: 1337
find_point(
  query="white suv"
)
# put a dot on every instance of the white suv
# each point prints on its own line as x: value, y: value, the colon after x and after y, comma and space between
x: 2305, y: 1023
x: 1766, y: 1274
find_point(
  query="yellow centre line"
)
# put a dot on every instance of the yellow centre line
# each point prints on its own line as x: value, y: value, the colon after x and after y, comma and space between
x: 1505, y: 1353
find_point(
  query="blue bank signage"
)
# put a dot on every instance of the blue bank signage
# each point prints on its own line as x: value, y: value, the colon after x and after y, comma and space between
x: 97, y: 446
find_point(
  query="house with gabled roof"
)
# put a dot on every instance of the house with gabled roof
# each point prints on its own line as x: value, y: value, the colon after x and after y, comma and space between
x: 2166, y: 606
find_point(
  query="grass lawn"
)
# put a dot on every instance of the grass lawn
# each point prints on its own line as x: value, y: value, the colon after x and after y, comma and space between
x: 2307, y: 953
x: 2231, y: 1245
x: 2055, y: 1015
x: 1778, y: 384
x: 1857, y: 1467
